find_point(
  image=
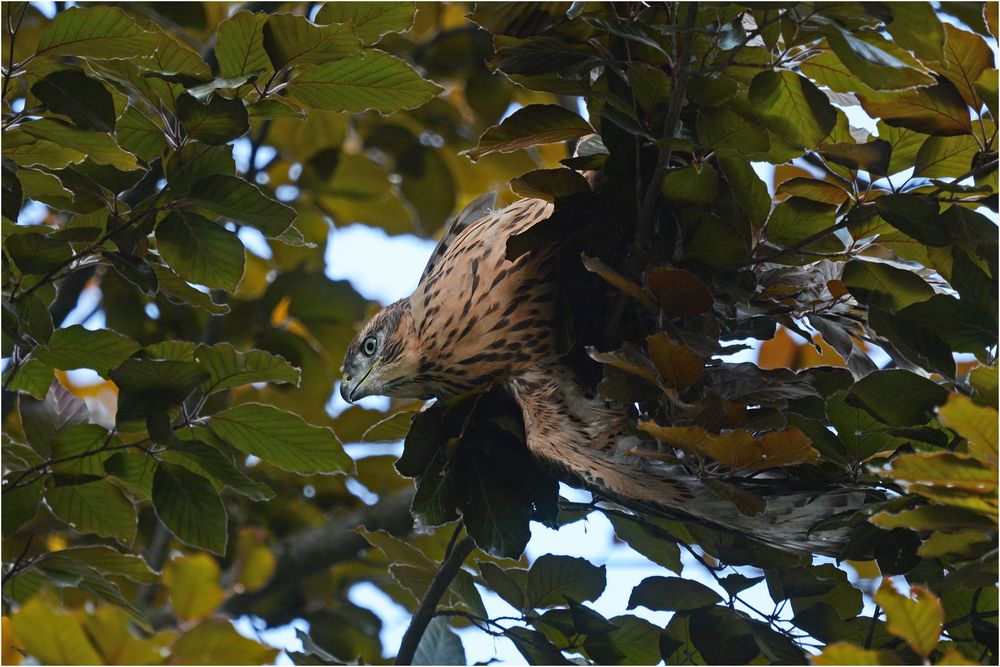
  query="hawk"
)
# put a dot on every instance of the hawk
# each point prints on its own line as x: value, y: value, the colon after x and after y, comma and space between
x: 478, y: 319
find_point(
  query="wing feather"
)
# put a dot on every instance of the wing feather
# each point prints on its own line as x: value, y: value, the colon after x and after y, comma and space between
x: 474, y: 211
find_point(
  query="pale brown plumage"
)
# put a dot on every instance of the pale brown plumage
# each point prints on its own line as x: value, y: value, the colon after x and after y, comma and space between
x: 478, y: 319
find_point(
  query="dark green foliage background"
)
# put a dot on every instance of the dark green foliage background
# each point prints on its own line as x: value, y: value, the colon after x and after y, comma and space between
x: 121, y: 121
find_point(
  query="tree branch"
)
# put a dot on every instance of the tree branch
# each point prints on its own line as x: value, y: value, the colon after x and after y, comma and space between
x: 425, y: 612
x: 312, y: 550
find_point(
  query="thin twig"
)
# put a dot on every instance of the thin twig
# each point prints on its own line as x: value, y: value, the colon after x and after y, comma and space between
x: 682, y: 55
x: 425, y: 612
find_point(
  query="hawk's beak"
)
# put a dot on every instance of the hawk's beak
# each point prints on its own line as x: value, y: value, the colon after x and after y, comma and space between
x: 346, y: 390
x: 352, y: 389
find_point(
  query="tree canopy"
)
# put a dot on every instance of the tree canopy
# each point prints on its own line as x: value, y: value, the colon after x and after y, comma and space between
x: 815, y: 172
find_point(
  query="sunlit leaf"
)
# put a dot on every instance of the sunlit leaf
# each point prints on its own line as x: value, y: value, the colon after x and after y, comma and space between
x: 374, y: 80
x: 281, y: 438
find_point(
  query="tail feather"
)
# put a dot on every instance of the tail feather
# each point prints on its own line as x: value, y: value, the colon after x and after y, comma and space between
x: 590, y: 442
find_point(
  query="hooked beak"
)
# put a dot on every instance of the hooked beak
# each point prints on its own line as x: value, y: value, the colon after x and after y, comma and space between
x: 352, y: 391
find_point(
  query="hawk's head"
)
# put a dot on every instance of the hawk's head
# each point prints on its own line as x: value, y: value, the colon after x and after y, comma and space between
x: 382, y: 359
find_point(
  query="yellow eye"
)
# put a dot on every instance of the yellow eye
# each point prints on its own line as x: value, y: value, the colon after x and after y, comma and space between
x: 369, y: 346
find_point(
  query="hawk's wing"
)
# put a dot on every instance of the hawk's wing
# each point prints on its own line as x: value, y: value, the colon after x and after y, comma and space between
x: 474, y: 211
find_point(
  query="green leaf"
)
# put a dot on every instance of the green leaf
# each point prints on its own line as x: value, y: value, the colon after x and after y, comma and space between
x: 882, y: 285
x: 530, y: 126
x: 439, y: 645
x: 95, y: 507
x: 241, y: 202
x: 291, y: 40
x: 178, y: 291
x: 897, y: 397
x: 904, y: 145
x: 635, y: 641
x: 371, y: 20
x: 797, y: 219
x: 85, y: 442
x: 792, y: 107
x: 27, y: 150
x: 917, y: 619
x: 672, y: 594
x: 938, y: 110
x: 550, y: 184
x: 134, y: 269
x: 503, y: 582
x: 43, y: 420
x: 134, y: 470
x: 967, y: 56
x: 84, y: 100
x: 215, y: 122
x: 19, y: 506
x: 95, y: 32
x: 916, y: 216
x: 731, y: 134
x: 239, y: 46
x: 76, y: 347
x: 691, y: 186
x: 869, y: 56
x: 32, y: 377
x: 190, y: 508
x: 111, y: 562
x: 139, y: 135
x: 209, y: 462
x: 13, y: 194
x: 201, y: 251
x: 228, y: 367
x: 281, y: 438
x: 552, y: 579
x: 812, y: 189
x: 946, y: 156
x: 915, y: 26
x: 373, y: 81
x: 148, y: 387
x: 872, y: 156
x: 97, y: 146
x: 647, y: 541
x: 37, y: 253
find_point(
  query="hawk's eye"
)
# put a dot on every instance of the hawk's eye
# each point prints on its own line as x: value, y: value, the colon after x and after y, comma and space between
x: 369, y: 346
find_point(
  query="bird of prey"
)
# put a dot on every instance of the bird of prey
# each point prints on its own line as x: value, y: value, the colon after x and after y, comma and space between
x: 478, y: 319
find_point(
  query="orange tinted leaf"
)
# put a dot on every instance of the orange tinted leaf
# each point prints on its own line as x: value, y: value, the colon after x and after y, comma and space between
x: 679, y: 292
x: 679, y: 366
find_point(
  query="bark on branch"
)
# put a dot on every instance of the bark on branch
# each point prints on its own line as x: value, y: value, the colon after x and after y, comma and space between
x: 425, y: 612
x: 309, y: 551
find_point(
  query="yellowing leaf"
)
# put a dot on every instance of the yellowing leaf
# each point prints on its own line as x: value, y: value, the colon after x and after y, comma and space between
x: 595, y: 265
x: 193, y: 584
x: 679, y: 366
x: 945, y: 469
x: 976, y: 423
x: 216, y: 642
x: 843, y: 653
x: 917, y: 619
x: 738, y: 449
x: 256, y: 562
x: 50, y: 636
x: 954, y: 657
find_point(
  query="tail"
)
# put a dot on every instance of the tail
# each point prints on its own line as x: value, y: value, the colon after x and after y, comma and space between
x: 590, y: 442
